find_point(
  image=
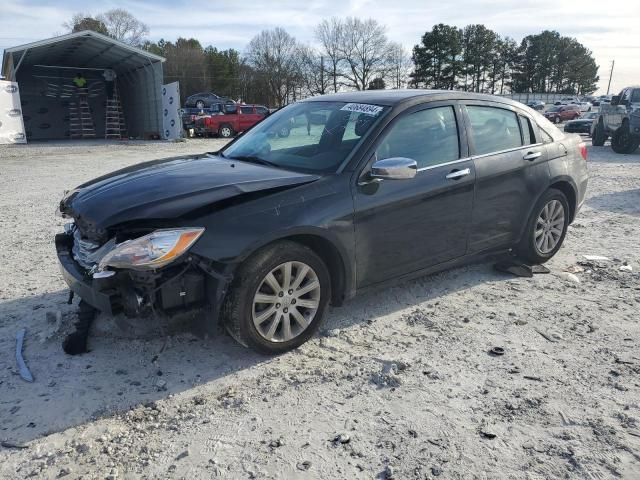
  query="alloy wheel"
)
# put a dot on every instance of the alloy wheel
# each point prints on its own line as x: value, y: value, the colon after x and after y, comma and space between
x: 286, y: 301
x: 549, y: 227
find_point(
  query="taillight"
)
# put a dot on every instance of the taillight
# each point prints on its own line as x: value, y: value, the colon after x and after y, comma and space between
x: 583, y: 149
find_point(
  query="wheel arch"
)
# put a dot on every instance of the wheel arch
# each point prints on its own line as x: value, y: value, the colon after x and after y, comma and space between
x: 329, y: 249
x: 567, y: 187
x: 569, y: 190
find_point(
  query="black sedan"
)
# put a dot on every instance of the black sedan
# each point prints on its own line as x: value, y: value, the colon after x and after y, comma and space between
x: 265, y: 233
x: 206, y: 100
x: 582, y: 124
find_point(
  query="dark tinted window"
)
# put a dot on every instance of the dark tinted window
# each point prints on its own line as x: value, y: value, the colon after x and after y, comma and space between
x: 262, y: 110
x: 493, y: 129
x: 635, y: 96
x: 528, y: 138
x: 246, y: 110
x: 429, y: 137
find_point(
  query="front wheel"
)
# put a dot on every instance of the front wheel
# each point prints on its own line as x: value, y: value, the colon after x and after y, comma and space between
x: 546, y: 228
x: 200, y: 104
x: 599, y: 137
x: 556, y: 120
x: 278, y: 298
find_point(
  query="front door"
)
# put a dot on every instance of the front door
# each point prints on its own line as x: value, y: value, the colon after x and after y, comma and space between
x: 403, y: 226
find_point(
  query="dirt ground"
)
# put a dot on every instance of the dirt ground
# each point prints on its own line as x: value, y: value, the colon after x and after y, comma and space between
x: 398, y: 384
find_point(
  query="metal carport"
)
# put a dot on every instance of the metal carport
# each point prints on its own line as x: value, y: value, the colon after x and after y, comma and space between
x: 45, y: 69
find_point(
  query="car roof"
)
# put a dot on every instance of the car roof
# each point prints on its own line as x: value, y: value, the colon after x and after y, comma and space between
x: 392, y: 98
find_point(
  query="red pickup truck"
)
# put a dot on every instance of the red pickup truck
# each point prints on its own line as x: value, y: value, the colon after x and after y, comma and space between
x: 228, y: 124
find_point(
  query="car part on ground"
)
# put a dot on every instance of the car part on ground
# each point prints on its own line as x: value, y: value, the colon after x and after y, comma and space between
x: 265, y: 232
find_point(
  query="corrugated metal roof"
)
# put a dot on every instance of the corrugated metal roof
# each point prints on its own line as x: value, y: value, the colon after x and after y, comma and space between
x: 81, y: 49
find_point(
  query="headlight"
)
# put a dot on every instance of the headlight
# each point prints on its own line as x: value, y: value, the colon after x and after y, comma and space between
x: 151, y: 251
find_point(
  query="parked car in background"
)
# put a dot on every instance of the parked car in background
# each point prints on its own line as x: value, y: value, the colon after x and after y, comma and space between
x: 268, y: 231
x: 562, y: 113
x: 206, y: 100
x: 227, y: 125
x: 600, y: 100
x: 620, y: 120
x: 536, y: 105
x: 585, y: 106
x: 567, y: 101
x: 582, y: 124
x: 190, y: 114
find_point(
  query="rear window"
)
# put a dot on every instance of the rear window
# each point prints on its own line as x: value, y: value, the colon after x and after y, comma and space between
x: 493, y: 129
x: 546, y: 127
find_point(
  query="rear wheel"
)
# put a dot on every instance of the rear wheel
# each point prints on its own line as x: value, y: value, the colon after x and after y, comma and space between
x: 623, y: 142
x: 546, y: 228
x: 200, y: 104
x: 226, y: 131
x: 278, y: 298
x: 284, y: 132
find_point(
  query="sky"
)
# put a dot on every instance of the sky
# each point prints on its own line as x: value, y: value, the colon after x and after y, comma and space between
x: 610, y: 29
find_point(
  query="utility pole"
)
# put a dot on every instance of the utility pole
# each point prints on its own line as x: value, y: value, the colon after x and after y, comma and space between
x: 613, y: 62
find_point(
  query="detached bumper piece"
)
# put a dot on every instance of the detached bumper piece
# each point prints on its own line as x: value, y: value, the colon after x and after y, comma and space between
x: 170, y: 290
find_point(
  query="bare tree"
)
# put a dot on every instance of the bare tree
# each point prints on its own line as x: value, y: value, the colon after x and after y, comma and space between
x: 329, y: 34
x: 123, y: 26
x: 276, y: 56
x: 365, y: 49
x: 315, y: 77
x: 398, y: 66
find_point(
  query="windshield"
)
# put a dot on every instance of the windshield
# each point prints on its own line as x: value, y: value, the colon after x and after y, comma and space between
x: 554, y: 109
x: 307, y: 136
x: 590, y: 116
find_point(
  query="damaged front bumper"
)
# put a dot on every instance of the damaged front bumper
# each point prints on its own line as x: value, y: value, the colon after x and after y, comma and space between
x: 188, y: 286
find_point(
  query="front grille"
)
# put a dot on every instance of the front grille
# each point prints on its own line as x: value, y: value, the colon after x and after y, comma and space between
x: 83, y: 249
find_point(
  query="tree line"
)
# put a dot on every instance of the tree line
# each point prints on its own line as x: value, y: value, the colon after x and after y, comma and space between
x: 356, y: 54
x: 477, y: 59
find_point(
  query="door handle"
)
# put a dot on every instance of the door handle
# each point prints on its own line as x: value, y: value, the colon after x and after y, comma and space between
x: 456, y: 174
x: 531, y: 156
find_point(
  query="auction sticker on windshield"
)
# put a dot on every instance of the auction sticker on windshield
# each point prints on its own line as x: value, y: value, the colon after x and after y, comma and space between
x: 362, y: 108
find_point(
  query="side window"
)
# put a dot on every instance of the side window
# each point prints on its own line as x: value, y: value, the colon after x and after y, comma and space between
x: 430, y: 137
x: 624, y: 95
x: 635, y: 95
x: 246, y: 110
x: 528, y: 137
x: 493, y: 129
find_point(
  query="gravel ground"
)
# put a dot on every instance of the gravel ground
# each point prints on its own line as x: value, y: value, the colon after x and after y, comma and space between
x: 399, y: 384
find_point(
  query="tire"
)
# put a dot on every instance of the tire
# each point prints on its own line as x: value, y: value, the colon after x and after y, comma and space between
x: 529, y: 249
x: 599, y: 137
x: 284, y: 132
x: 556, y: 120
x: 226, y: 131
x: 241, y: 312
x: 200, y: 104
x: 622, y: 141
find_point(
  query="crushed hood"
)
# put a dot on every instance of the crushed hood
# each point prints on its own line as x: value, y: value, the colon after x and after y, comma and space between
x: 166, y: 189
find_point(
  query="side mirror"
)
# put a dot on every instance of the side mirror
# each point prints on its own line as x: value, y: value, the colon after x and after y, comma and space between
x: 615, y: 100
x: 396, y: 168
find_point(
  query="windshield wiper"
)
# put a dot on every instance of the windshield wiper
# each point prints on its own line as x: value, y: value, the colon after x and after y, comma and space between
x: 254, y: 159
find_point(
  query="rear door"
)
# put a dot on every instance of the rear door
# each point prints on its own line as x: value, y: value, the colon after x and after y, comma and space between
x: 403, y: 226
x: 511, y: 172
x: 248, y: 118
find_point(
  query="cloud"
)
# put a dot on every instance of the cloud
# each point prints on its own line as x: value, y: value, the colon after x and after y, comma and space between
x: 231, y: 24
